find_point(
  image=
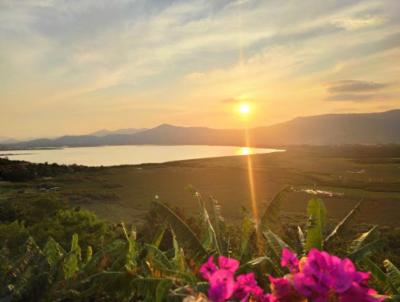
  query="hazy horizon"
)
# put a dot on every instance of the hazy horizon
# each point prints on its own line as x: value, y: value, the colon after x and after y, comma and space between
x: 78, y: 67
x: 95, y: 131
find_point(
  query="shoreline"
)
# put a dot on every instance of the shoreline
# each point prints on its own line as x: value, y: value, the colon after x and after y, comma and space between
x: 125, y: 154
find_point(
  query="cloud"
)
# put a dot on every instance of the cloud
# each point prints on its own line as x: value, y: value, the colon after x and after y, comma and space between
x: 356, y: 90
x: 360, y: 97
x: 355, y: 86
x: 358, y: 23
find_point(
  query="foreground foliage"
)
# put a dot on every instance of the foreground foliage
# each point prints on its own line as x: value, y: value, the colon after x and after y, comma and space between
x: 317, y: 277
x: 163, y: 260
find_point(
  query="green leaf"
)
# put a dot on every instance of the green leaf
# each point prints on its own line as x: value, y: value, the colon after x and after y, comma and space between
x: 182, y: 231
x: 361, y: 246
x: 377, y: 273
x: 179, y: 257
x: 245, y: 236
x: 155, y: 255
x: 365, y: 250
x: 275, y: 244
x: 159, y: 236
x: 147, y: 289
x: 89, y: 254
x: 393, y: 275
x: 209, y: 226
x: 316, y: 212
x: 302, y: 239
x: 271, y: 217
x: 341, y: 226
x: 210, y: 241
x: 72, y: 259
x: 53, y: 252
x: 162, y: 290
x: 261, y: 262
x: 131, y: 253
x: 216, y: 224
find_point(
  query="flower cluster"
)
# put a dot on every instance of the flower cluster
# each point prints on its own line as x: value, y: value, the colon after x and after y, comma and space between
x: 223, y: 285
x: 319, y: 277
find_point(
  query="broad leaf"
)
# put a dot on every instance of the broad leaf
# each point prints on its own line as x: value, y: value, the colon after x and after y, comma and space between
x: 393, y: 275
x: 271, y: 217
x: 302, y: 239
x: 340, y: 227
x: 131, y: 253
x: 162, y: 290
x: 72, y: 259
x: 182, y: 231
x: 274, y: 244
x: 316, y: 212
x: 361, y: 240
x: 53, y: 252
x: 179, y: 257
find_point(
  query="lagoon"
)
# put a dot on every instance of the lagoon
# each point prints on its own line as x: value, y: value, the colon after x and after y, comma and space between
x: 128, y: 155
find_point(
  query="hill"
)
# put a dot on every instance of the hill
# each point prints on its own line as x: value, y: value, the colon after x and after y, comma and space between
x: 104, y: 132
x: 330, y: 129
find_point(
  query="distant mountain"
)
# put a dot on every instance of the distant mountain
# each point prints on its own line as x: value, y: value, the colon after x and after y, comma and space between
x: 7, y: 140
x: 361, y: 128
x: 104, y: 132
x: 330, y: 129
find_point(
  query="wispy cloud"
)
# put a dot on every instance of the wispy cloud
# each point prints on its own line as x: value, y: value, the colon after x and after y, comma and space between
x: 356, y: 90
x: 355, y: 86
x: 94, y: 55
x: 357, y: 97
x: 354, y: 23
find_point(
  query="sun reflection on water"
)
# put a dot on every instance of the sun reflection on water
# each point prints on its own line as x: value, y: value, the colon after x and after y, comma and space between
x: 244, y: 151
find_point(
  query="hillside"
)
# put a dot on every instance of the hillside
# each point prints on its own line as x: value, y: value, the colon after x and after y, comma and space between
x: 331, y: 129
x: 104, y: 132
x: 366, y: 128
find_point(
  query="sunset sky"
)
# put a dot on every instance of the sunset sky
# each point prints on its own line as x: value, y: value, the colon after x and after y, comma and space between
x: 73, y: 67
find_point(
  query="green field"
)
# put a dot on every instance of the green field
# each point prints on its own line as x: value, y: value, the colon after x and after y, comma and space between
x: 53, y: 249
x: 124, y: 193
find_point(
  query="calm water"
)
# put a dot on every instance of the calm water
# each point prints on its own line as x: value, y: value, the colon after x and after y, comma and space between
x: 124, y: 155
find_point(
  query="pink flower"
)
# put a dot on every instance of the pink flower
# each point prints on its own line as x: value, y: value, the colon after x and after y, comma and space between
x: 283, y: 290
x: 247, y: 287
x: 222, y: 285
x: 324, y: 277
x: 208, y: 268
x: 266, y: 298
x: 360, y: 294
x: 319, y: 277
x: 289, y: 260
x: 229, y: 264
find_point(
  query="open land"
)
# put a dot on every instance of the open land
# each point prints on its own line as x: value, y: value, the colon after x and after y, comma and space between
x: 341, y: 176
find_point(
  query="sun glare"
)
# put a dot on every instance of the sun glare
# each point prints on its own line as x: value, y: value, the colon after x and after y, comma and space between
x: 244, y: 108
x: 244, y: 151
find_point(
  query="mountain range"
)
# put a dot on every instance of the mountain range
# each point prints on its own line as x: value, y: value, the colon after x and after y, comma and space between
x: 329, y: 129
x: 7, y: 140
x: 104, y: 132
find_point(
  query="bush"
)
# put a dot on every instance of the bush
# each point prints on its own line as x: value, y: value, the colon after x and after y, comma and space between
x: 90, y: 229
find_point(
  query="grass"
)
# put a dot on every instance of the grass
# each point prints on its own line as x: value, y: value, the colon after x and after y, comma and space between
x: 125, y: 192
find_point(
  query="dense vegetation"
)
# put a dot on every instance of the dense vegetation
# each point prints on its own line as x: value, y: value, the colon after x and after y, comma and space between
x: 12, y: 170
x: 51, y: 252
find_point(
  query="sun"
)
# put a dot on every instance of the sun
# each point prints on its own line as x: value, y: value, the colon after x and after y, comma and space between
x: 244, y: 108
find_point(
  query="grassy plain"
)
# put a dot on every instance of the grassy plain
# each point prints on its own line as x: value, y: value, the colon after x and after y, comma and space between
x: 351, y: 174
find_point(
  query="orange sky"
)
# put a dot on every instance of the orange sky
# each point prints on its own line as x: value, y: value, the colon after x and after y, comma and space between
x: 76, y: 67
